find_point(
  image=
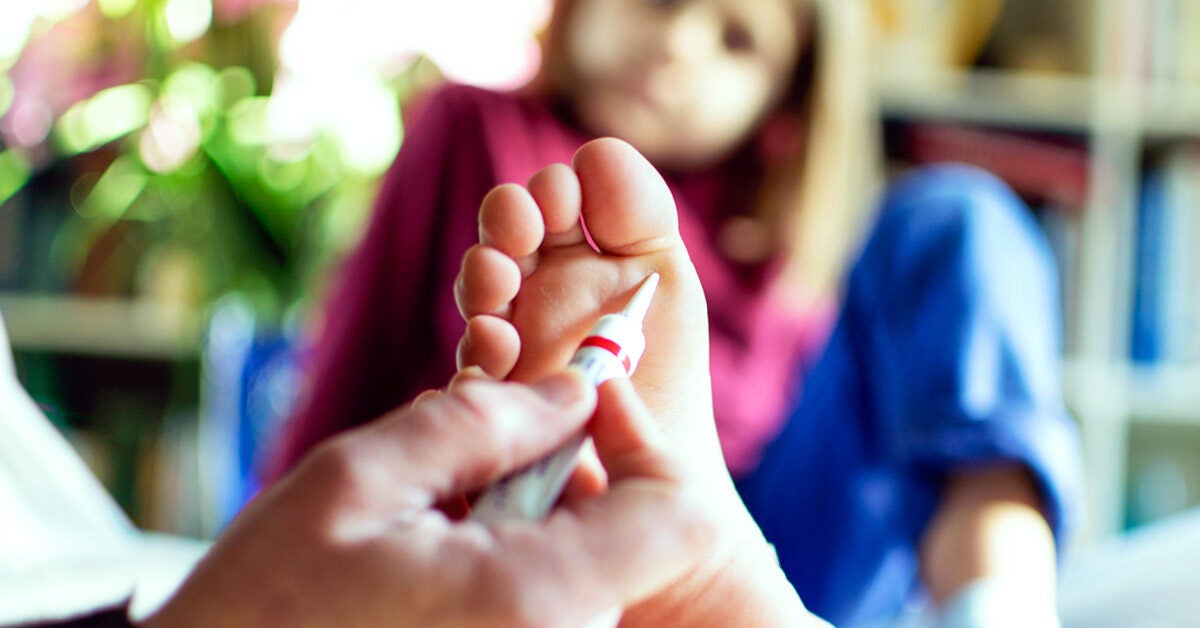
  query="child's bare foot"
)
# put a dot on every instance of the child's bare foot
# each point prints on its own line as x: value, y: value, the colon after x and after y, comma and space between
x: 534, y: 286
x: 532, y: 290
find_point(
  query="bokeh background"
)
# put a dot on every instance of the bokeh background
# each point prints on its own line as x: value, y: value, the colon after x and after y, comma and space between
x: 179, y: 177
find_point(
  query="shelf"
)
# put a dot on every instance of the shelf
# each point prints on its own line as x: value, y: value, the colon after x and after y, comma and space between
x: 1051, y: 102
x: 121, y: 328
x: 1096, y: 390
x: 1042, y: 101
x: 1166, y: 394
x: 1172, y: 110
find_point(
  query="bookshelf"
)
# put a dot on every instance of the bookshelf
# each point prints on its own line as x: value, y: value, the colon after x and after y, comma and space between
x: 1130, y: 98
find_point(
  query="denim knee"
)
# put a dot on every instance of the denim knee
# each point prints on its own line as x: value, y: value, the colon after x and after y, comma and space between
x: 957, y: 223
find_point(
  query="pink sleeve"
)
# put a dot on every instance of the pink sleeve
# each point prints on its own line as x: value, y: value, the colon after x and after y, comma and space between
x: 391, y: 327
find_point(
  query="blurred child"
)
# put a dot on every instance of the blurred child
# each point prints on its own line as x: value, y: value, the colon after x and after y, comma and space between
x: 929, y: 432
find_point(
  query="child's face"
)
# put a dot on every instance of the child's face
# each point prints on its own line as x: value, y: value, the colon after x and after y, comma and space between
x: 685, y: 81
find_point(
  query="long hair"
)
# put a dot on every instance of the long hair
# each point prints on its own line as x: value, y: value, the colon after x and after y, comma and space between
x: 823, y: 194
x: 811, y: 190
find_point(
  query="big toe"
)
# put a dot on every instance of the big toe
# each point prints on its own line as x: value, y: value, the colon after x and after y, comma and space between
x: 626, y: 205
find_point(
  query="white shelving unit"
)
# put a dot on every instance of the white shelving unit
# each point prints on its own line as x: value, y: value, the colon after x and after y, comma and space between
x: 1118, y: 112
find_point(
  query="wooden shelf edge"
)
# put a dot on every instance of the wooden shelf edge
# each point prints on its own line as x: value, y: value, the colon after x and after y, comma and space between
x: 1069, y: 103
x: 110, y: 327
x: 1002, y: 97
x: 1134, y: 394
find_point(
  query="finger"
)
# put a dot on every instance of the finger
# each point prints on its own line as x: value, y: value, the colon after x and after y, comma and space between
x: 637, y: 538
x: 487, y: 282
x: 628, y: 441
x: 588, y: 480
x: 650, y: 526
x: 648, y: 530
x: 490, y: 343
x: 464, y: 438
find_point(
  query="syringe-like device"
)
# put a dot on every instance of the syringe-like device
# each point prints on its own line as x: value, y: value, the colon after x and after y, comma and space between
x: 612, y: 349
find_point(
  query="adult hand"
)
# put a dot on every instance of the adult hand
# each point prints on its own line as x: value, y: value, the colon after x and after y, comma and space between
x: 354, y: 535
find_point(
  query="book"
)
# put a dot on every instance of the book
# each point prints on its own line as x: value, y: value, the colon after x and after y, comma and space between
x: 1044, y: 168
x: 1166, y: 299
x: 1062, y: 234
x: 1181, y: 290
x: 1145, y: 339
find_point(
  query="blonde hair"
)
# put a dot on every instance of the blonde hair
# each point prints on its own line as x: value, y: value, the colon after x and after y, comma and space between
x: 814, y: 198
x: 824, y: 202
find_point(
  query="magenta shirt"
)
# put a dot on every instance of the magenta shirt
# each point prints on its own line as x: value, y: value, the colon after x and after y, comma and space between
x: 390, y: 328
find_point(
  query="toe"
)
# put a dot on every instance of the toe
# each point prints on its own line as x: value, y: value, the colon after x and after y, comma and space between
x: 626, y: 205
x: 556, y: 191
x: 489, y: 343
x: 487, y: 282
x: 509, y: 219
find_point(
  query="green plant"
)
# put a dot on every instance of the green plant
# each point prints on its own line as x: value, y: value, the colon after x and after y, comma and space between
x: 191, y: 174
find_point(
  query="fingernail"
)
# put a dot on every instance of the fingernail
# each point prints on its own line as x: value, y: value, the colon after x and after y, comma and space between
x: 471, y: 371
x: 467, y: 374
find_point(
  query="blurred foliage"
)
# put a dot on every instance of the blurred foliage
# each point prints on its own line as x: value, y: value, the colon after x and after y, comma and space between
x: 188, y: 180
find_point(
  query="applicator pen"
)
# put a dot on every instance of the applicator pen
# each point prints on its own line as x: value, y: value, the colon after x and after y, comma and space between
x: 611, y: 349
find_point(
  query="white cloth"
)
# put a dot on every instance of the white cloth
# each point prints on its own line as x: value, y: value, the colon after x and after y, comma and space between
x: 66, y: 547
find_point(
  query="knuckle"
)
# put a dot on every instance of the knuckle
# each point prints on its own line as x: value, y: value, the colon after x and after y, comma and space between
x: 479, y: 410
x: 335, y: 464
